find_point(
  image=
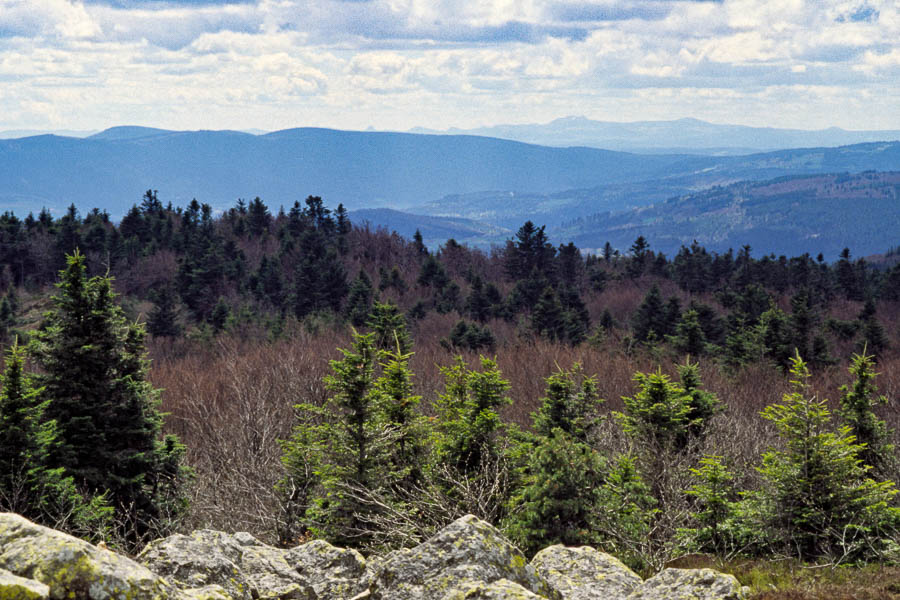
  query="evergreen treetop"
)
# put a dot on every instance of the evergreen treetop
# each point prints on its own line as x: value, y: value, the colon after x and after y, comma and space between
x: 95, y: 380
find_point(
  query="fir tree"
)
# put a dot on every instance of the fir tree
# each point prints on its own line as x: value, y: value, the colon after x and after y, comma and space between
x: 389, y: 328
x: 857, y: 404
x: 163, y: 318
x: 29, y: 484
x: 649, y: 316
x: 557, y: 500
x: 547, y: 318
x: 468, y: 421
x: 689, y: 337
x: 95, y: 378
x: 571, y: 404
x: 359, y: 300
x: 817, y: 500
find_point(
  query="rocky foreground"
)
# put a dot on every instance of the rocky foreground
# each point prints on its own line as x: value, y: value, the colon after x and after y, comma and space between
x: 468, y: 560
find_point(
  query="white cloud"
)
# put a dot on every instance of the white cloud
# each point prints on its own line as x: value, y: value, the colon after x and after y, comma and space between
x: 439, y: 63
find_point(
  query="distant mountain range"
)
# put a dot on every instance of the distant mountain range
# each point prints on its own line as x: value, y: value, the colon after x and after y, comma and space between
x: 478, y: 190
x: 111, y: 170
x: 788, y: 215
x: 681, y: 136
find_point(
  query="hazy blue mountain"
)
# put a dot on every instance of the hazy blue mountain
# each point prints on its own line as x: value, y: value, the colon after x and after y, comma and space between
x: 507, y: 208
x: 790, y: 215
x: 20, y: 133
x: 443, y: 175
x: 128, y: 132
x: 111, y: 170
x: 680, y: 136
x: 435, y: 230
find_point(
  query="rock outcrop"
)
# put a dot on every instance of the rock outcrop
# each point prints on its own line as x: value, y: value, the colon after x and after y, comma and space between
x: 467, y: 560
x: 73, y: 568
x: 696, y: 584
x: 467, y: 550
x: 584, y: 573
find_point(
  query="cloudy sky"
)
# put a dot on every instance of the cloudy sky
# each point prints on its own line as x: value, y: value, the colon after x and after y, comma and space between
x: 397, y: 64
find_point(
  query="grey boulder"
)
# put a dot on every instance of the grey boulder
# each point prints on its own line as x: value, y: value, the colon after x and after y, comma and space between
x: 72, y: 568
x: 695, y: 584
x: 466, y: 551
x: 584, y: 573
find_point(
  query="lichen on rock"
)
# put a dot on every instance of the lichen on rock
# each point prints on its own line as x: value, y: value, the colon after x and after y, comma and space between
x: 73, y: 568
x: 693, y: 584
x: 467, y: 550
x: 13, y: 587
x: 584, y: 573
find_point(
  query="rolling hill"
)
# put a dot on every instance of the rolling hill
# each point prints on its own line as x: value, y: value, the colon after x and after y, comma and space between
x: 790, y: 215
x: 436, y: 175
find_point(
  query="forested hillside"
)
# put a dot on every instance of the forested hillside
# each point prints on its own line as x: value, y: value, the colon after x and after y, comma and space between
x: 653, y: 405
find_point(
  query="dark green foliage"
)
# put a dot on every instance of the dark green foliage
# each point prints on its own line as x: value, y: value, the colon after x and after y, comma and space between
x: 162, y: 321
x: 478, y: 305
x: 547, y: 319
x: 391, y: 279
x: 557, y: 499
x: 576, y: 319
x: 802, y: 321
x: 433, y: 274
x: 850, y: 280
x: 693, y: 269
x: 570, y: 265
x: 359, y: 300
x: 359, y: 451
x: 873, y: 337
x: 258, y: 218
x: 389, y: 327
x: 468, y: 336
x: 29, y: 482
x: 639, y: 257
x: 689, y: 337
x: 702, y: 405
x: 343, y: 437
x: 664, y: 415
x: 468, y: 421
x: 7, y: 316
x: 650, y: 316
x: 94, y: 374
x: 606, y: 320
x: 218, y: 318
x: 817, y: 500
x: 626, y: 512
x: 571, y: 405
x: 448, y: 299
x: 776, y: 336
x: 597, y: 278
x: 857, y: 404
x: 530, y: 255
x: 716, y: 510
x: 268, y: 283
x: 320, y: 281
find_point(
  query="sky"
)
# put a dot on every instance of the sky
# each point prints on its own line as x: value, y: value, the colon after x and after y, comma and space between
x: 399, y: 64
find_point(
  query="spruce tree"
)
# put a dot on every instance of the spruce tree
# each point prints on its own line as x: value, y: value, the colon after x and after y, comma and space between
x: 468, y: 420
x: 689, y: 337
x: 857, y: 404
x: 557, y: 500
x: 163, y: 318
x: 817, y: 499
x: 570, y: 404
x: 95, y: 379
x: 389, y: 328
x: 359, y: 300
x: 29, y: 483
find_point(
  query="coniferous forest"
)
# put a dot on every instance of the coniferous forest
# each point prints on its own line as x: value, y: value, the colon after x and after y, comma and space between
x: 283, y: 371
